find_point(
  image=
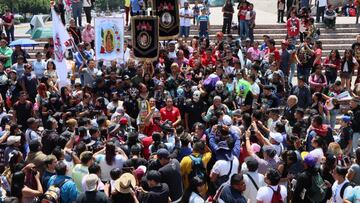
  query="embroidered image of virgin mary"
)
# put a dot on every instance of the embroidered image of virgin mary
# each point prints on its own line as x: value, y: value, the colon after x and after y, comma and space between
x: 109, y: 41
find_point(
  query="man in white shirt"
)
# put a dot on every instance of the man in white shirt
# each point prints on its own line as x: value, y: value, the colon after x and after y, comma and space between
x: 39, y: 66
x: 265, y: 193
x: 186, y: 16
x: 320, y: 10
x: 253, y: 180
x: 341, y: 187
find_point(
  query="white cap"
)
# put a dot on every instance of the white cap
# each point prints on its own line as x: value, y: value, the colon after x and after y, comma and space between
x: 277, y: 137
x: 12, y: 140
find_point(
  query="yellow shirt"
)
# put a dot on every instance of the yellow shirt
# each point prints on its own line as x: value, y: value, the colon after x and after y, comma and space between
x: 186, y: 166
x: 127, y: 3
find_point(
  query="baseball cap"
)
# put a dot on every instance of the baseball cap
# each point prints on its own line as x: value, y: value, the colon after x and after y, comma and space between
x: 269, y: 150
x: 277, y: 137
x: 310, y: 160
x: 346, y: 118
x: 123, y: 121
x: 163, y: 153
x: 227, y: 120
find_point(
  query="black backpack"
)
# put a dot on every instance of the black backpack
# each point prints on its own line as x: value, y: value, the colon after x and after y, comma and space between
x: 197, y: 167
x: 343, y: 189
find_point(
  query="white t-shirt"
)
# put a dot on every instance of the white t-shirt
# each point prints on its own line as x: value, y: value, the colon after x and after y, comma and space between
x: 255, y: 89
x: 86, y: 3
x: 105, y: 168
x: 222, y: 167
x: 251, y: 191
x: 195, y: 198
x: 185, y: 21
x: 265, y: 193
x: 336, y: 191
x: 322, y: 3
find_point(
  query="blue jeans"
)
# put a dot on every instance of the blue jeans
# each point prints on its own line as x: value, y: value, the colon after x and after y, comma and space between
x: 184, y: 31
x: 76, y: 11
x: 292, y: 73
x: 203, y: 33
x: 333, y: 114
x: 303, y: 71
x: 10, y: 34
x: 243, y: 29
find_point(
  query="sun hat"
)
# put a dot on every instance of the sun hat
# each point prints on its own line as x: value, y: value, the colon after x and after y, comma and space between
x: 125, y: 183
x: 91, y: 181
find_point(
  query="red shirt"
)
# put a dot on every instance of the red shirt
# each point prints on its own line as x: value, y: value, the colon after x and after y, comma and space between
x: 243, y: 8
x: 275, y: 51
x: 205, y: 61
x: 318, y: 52
x: 293, y: 27
x: 169, y: 115
x: 152, y: 127
x: 146, y: 142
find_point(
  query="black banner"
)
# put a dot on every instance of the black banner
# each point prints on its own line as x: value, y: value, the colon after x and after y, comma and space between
x: 168, y: 12
x: 145, y: 36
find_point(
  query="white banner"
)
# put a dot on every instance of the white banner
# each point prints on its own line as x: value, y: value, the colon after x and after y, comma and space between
x: 109, y: 38
x: 62, y: 42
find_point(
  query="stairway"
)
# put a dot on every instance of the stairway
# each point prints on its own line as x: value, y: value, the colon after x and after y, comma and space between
x: 341, y: 38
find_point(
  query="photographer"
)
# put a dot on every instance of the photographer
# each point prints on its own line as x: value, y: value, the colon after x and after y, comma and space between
x: 222, y: 133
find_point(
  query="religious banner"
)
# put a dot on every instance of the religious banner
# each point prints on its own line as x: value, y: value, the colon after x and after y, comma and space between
x: 168, y: 12
x: 109, y: 38
x: 62, y: 42
x: 145, y: 36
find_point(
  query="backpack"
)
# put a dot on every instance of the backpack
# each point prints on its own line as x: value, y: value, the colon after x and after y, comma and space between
x: 223, y: 179
x: 343, y: 189
x: 197, y: 167
x: 316, y: 193
x: 52, y: 195
x: 276, y: 197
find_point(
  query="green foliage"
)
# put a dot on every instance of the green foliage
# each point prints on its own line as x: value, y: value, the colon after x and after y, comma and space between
x: 26, y: 6
x: 114, y: 5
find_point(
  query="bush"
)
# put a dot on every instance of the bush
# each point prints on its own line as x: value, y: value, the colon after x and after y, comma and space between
x: 114, y: 5
x: 26, y: 6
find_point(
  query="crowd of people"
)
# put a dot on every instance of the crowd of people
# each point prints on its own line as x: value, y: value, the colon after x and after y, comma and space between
x: 211, y: 120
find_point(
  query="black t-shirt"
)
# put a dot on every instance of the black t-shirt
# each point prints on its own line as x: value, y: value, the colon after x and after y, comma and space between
x: 289, y: 115
x: 135, y: 162
x: 93, y: 197
x: 23, y: 112
x: 170, y: 174
x: 122, y: 197
x: 194, y: 111
x: 158, y: 194
x: 345, y: 136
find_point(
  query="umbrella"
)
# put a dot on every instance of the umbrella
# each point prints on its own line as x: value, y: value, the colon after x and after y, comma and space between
x: 42, y: 33
x: 37, y: 21
x: 23, y: 43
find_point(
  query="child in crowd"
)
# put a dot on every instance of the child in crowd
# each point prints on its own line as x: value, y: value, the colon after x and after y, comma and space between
x: 204, y: 24
x: 281, y: 11
x: 196, y: 12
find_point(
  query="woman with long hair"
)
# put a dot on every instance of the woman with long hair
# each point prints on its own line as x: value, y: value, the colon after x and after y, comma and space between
x: 24, y: 193
x: 348, y: 65
x: 196, y: 193
x: 51, y: 73
x: 332, y: 65
x: 108, y: 158
x: 148, y: 68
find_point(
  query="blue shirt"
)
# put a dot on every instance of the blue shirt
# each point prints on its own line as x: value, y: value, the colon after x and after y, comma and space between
x: 136, y: 5
x: 68, y: 193
x: 354, y: 195
x: 203, y: 22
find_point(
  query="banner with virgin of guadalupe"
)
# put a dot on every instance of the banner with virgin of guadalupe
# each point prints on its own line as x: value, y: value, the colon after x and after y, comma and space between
x: 145, y: 36
x: 168, y: 12
x: 109, y: 38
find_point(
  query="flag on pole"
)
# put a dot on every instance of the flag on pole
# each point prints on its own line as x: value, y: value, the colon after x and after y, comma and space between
x: 62, y: 42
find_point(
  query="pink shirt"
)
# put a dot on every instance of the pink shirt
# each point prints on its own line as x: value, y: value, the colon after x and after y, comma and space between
x: 254, y: 53
x: 88, y: 35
